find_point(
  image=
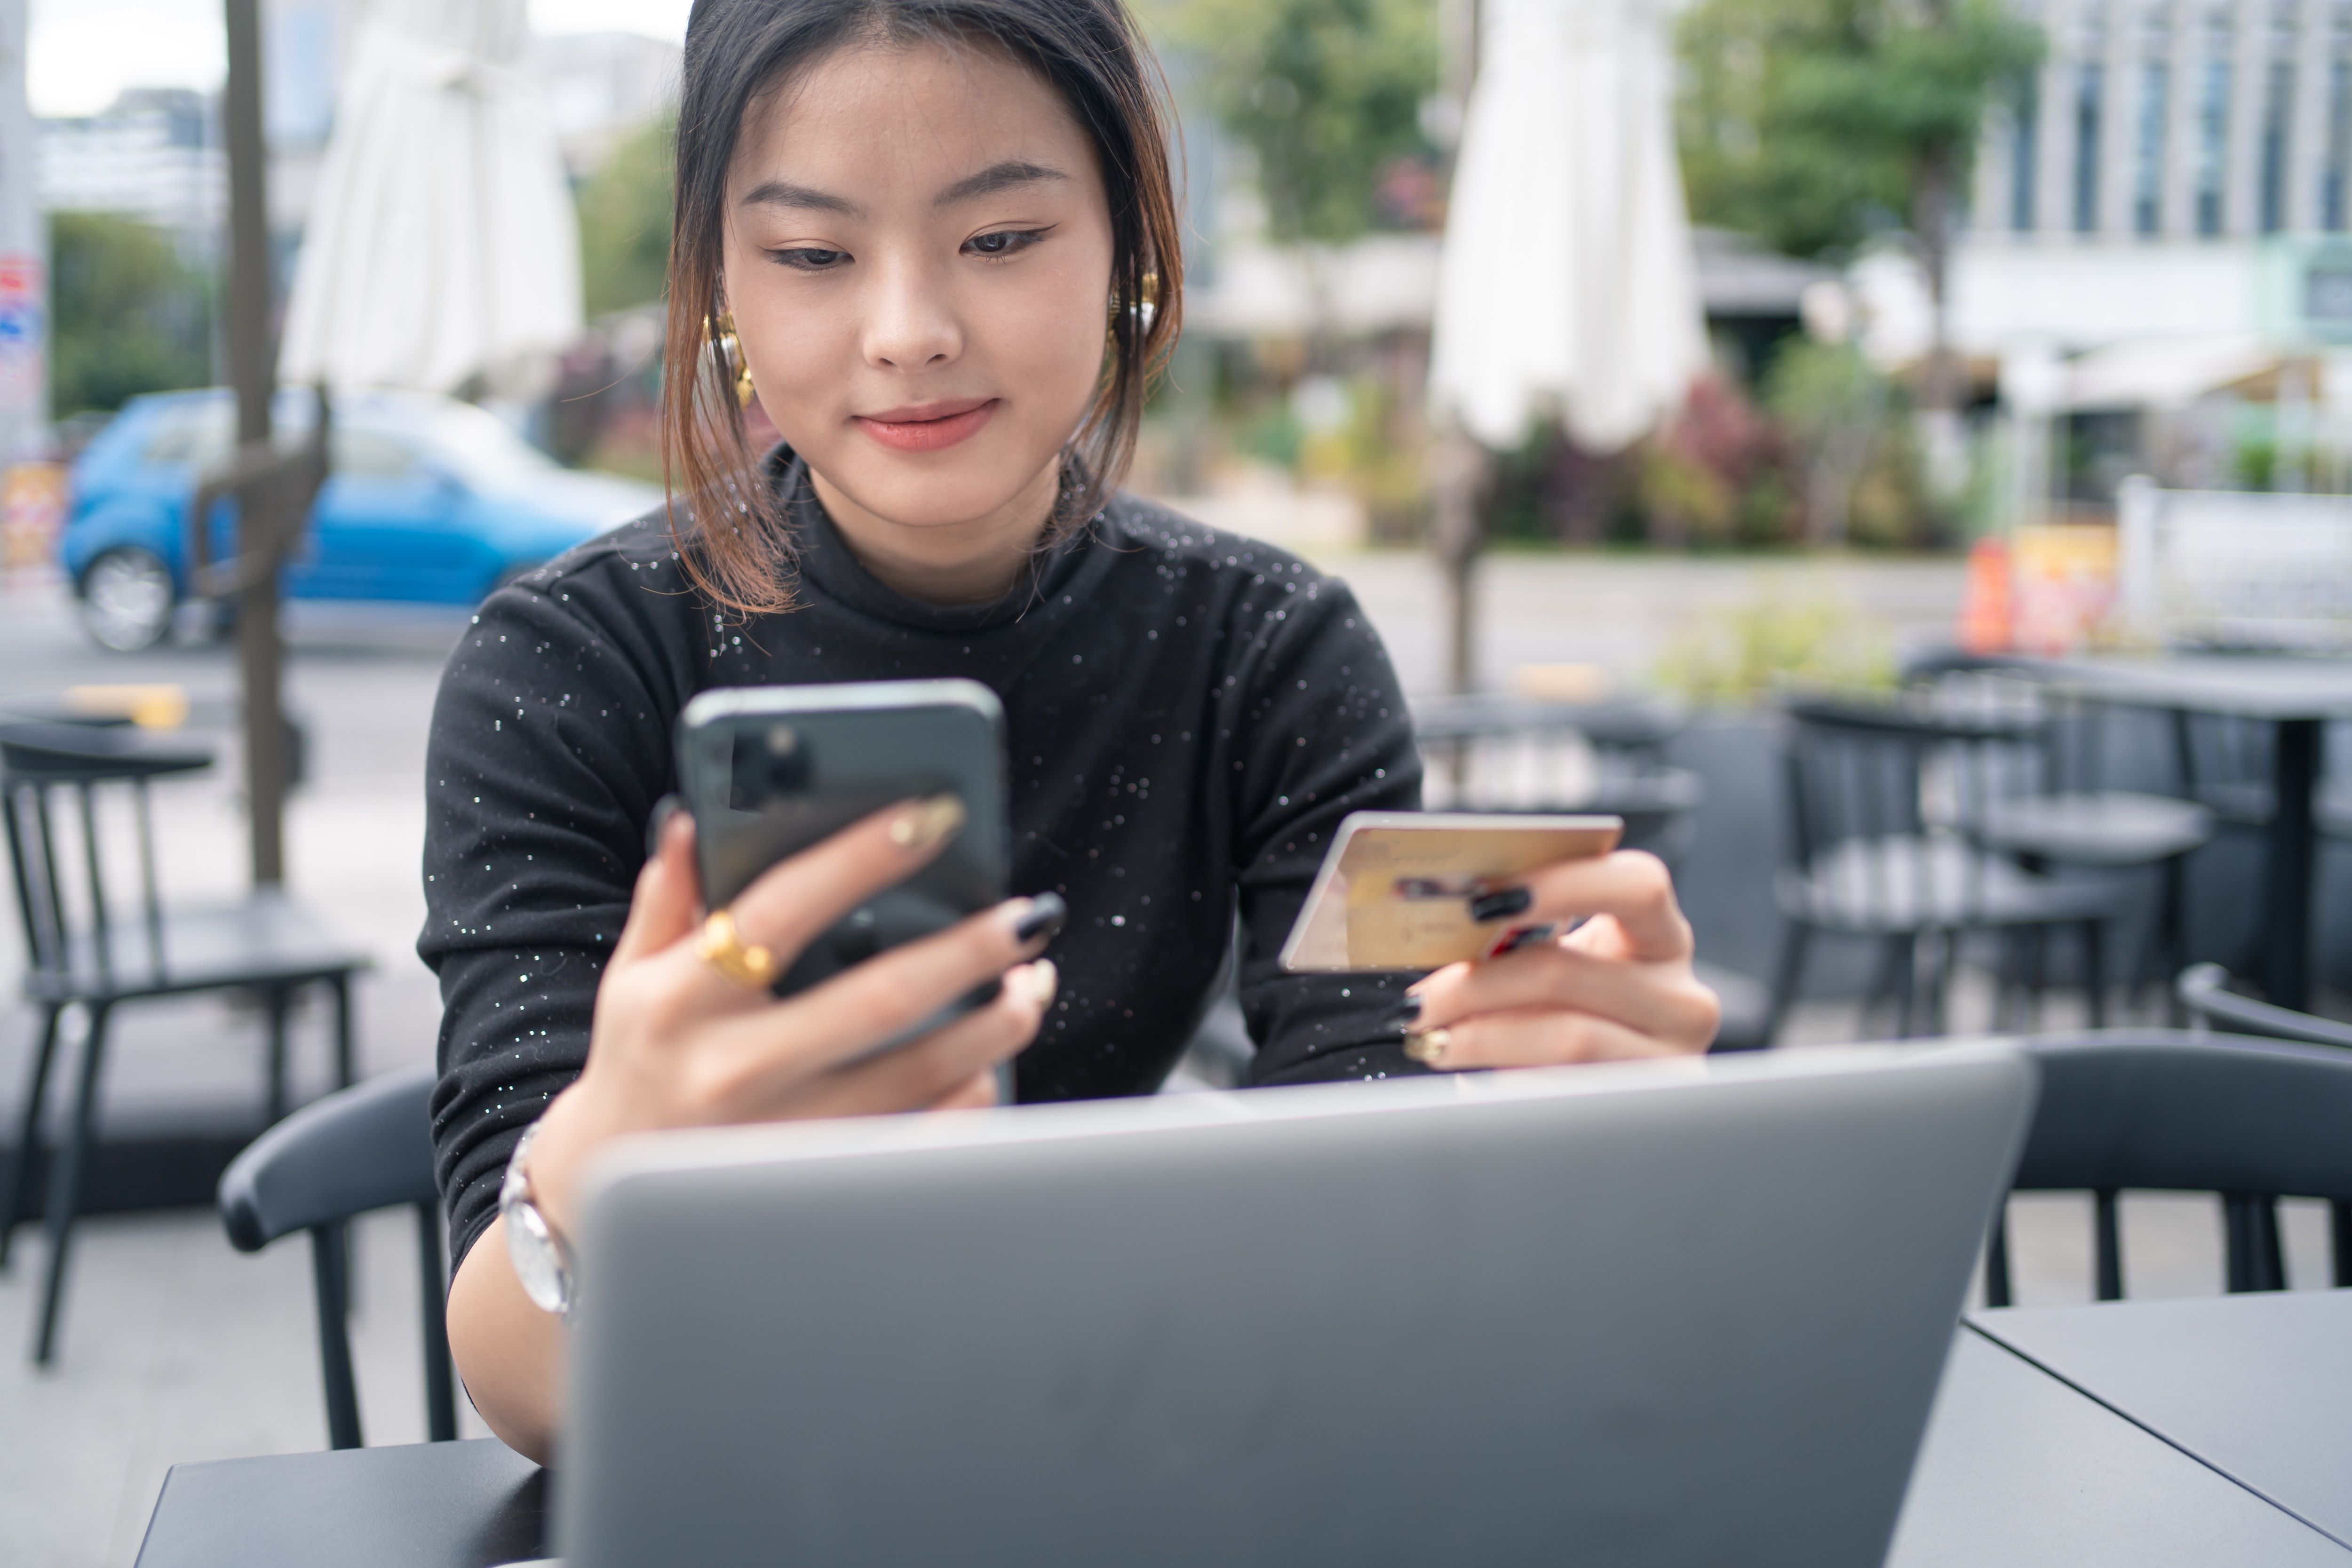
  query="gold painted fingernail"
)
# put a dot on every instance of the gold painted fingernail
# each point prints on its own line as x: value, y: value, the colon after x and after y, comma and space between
x: 1044, y: 981
x: 920, y: 827
x: 1428, y: 1046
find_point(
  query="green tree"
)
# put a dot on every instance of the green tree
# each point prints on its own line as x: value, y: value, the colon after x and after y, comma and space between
x: 625, y: 222
x: 127, y: 316
x: 1324, y: 92
x: 1810, y: 123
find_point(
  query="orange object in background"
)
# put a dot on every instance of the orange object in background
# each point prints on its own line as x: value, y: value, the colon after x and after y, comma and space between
x: 2063, y: 587
x: 1987, y: 621
x: 32, y: 514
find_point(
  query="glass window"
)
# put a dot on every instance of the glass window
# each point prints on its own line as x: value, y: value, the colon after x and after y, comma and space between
x: 2335, y: 159
x: 2154, y: 109
x: 198, y: 432
x: 2090, y: 105
x: 2213, y: 125
x: 370, y: 454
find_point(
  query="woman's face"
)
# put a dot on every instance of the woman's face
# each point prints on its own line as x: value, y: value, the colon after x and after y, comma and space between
x: 918, y: 256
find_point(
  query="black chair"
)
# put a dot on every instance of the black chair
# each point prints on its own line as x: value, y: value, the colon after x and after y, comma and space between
x: 2047, y: 799
x: 358, y: 1149
x: 2163, y: 1110
x: 82, y: 953
x: 1879, y: 851
x: 2204, y: 991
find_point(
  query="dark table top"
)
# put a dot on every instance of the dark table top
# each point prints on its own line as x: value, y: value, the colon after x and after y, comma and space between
x: 2251, y: 686
x: 2258, y: 1386
x: 2019, y: 1470
x: 2096, y: 1455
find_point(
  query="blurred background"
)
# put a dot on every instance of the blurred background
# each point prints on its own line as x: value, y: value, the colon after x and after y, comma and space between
x: 1644, y: 365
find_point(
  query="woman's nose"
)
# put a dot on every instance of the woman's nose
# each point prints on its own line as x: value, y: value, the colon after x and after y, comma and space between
x: 911, y: 323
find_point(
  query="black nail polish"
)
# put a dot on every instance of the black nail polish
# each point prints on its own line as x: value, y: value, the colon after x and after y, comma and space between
x: 1046, y: 913
x: 1402, y: 1014
x: 665, y: 808
x: 1501, y: 905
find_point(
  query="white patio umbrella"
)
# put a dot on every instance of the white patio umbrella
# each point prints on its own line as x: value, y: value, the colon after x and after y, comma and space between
x: 442, y: 244
x: 1568, y: 281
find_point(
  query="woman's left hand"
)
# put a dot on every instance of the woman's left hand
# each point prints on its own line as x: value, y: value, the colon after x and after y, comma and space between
x: 1618, y: 986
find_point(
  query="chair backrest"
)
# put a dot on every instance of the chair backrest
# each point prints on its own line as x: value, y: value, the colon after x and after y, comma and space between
x: 2165, y: 1110
x: 2161, y: 1110
x: 41, y: 763
x: 364, y: 1148
x: 2060, y: 739
x: 2204, y: 991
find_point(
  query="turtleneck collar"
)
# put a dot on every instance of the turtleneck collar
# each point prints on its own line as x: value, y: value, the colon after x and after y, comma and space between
x: 1060, y: 575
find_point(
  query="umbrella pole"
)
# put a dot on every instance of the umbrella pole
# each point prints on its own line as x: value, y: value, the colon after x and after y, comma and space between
x: 1456, y: 535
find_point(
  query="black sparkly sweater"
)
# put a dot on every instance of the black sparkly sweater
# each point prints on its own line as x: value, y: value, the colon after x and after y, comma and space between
x: 1189, y: 715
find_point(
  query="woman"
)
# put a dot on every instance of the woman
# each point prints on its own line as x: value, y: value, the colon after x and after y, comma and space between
x: 936, y: 239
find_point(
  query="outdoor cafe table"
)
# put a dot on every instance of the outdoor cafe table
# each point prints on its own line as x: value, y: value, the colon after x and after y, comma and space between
x: 2296, y: 694
x: 2123, y: 1435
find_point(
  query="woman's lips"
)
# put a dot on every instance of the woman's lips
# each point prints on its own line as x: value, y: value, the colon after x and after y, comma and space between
x: 931, y: 426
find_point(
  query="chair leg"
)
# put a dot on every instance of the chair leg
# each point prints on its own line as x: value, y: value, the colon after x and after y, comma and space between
x: 2170, y: 938
x: 328, y: 1255
x: 274, y: 998
x: 1886, y: 985
x: 1794, y: 940
x: 2037, y: 944
x: 2110, y: 1245
x: 28, y: 1130
x: 1939, y: 982
x: 2095, y: 973
x: 342, y: 985
x: 2255, y: 1260
x: 2270, y: 1255
x: 2008, y: 982
x: 440, y: 1375
x: 65, y: 1183
x: 1907, y: 984
x: 1997, y: 1292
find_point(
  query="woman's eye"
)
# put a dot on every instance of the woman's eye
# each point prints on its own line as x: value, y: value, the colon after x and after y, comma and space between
x: 1005, y: 241
x: 812, y: 260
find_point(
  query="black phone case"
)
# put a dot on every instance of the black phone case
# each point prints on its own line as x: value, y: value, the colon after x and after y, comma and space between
x: 770, y: 771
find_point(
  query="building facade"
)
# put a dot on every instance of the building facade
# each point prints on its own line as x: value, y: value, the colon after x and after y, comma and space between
x: 2161, y: 120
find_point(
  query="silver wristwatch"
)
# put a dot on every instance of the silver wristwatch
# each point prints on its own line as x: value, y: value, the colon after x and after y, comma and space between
x: 541, y: 1261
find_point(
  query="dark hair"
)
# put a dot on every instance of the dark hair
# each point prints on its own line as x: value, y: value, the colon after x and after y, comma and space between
x: 737, y: 544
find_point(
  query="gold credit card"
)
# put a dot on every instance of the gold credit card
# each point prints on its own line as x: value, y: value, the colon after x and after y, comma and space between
x: 1395, y: 889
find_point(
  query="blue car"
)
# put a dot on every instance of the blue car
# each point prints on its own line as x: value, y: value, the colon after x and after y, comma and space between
x: 431, y: 501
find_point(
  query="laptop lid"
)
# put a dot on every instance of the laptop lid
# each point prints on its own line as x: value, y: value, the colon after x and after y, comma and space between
x: 1675, y: 1314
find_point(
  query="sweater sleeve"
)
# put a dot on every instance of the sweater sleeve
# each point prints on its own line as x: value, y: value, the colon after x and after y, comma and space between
x: 1319, y: 729
x: 549, y: 746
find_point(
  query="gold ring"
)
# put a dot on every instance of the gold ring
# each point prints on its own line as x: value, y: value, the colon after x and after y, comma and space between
x: 1429, y: 1046
x: 722, y: 947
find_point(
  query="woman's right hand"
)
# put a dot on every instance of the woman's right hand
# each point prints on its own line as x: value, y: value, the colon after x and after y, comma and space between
x: 676, y: 1043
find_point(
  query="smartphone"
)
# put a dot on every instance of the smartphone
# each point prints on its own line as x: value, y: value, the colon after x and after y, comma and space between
x: 768, y: 771
x: 1395, y: 889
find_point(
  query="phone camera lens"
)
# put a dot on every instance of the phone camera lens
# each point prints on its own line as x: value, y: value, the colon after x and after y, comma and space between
x: 767, y: 762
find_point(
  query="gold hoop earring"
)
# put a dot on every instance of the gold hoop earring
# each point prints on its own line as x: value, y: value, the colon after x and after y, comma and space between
x: 1144, y: 308
x: 729, y: 345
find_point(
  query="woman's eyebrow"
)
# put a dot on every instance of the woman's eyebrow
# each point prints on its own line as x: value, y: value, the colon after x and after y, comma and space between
x: 784, y: 194
x: 994, y: 178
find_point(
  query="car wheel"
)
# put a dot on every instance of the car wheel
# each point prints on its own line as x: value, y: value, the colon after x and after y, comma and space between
x: 127, y: 599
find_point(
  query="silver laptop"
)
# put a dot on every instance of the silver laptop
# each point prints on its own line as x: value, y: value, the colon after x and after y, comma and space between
x: 1643, y: 1315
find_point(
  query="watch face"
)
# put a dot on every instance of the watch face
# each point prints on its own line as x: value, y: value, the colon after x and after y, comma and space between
x: 536, y: 1262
